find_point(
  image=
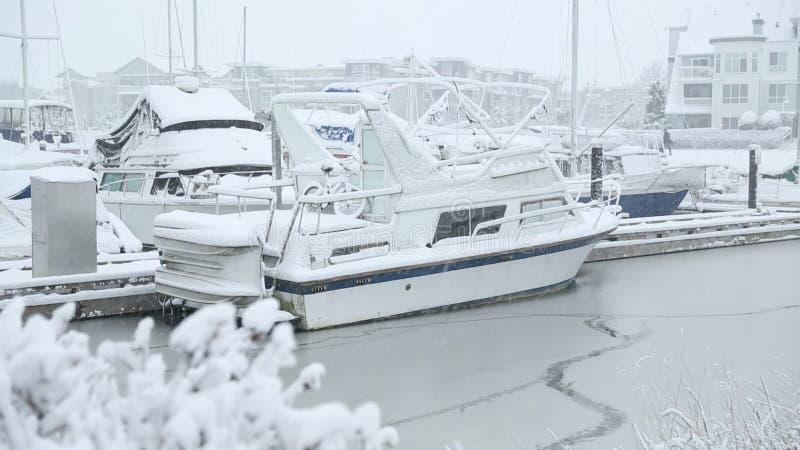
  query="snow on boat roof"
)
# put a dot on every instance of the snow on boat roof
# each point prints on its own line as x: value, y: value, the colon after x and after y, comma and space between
x: 176, y: 106
x: 365, y: 100
x: 19, y: 103
x: 14, y: 156
x: 64, y: 174
x: 215, y: 158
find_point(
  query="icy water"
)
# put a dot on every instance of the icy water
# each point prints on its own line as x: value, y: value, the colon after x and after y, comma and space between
x: 568, y: 366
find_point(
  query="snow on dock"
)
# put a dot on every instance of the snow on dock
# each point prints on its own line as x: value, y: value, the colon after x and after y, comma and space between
x: 687, y: 232
x: 122, y: 284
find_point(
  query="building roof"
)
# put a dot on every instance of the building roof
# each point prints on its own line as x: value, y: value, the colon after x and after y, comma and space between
x: 138, y: 66
x: 719, y: 19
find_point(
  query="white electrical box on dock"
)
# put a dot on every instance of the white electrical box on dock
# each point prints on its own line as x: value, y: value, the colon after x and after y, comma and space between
x: 63, y: 222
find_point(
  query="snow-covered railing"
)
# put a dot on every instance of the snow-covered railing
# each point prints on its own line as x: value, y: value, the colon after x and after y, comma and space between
x: 265, y: 190
x: 490, y: 156
x: 614, y: 191
x: 536, y: 213
x: 344, y: 196
x: 319, y: 201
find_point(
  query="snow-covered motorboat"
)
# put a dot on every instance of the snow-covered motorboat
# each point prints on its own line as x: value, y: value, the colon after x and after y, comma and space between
x: 53, y: 125
x: 173, y: 144
x: 417, y: 234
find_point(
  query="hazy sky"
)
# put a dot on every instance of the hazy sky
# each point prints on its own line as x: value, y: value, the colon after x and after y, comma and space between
x: 101, y: 35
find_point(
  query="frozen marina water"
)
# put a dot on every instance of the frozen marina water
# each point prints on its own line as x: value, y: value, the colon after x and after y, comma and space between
x: 571, y: 364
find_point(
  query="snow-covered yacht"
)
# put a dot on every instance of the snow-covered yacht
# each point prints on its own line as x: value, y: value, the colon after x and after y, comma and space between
x: 415, y: 234
x: 173, y: 144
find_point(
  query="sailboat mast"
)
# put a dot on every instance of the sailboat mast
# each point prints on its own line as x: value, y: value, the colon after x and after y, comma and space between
x: 574, y: 85
x: 169, y: 41
x: 26, y: 117
x: 196, y: 47
x: 244, y: 56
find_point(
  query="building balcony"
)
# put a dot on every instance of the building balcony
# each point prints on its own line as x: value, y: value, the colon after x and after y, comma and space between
x: 697, y: 101
x: 695, y: 72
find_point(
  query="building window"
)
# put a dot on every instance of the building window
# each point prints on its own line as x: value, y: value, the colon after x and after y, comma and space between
x: 734, y: 93
x: 697, y: 90
x: 716, y: 63
x: 754, y: 62
x: 777, y: 93
x: 777, y: 62
x: 736, y: 62
x: 730, y: 123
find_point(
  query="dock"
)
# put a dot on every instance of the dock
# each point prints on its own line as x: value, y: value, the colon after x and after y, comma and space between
x: 124, y: 283
x: 688, y: 232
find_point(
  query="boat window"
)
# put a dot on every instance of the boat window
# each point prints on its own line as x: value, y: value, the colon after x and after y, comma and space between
x: 112, y: 182
x: 171, y: 185
x: 539, y: 204
x: 371, y: 147
x: 134, y: 182
x: 463, y: 222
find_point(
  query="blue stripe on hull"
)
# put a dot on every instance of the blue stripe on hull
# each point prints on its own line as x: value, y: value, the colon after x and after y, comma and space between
x: 23, y: 194
x: 316, y: 287
x: 649, y: 204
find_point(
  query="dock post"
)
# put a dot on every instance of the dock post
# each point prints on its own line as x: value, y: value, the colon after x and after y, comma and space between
x: 752, y: 188
x: 596, y: 174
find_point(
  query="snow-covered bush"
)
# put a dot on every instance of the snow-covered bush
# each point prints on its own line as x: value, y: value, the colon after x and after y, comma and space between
x: 770, y: 120
x: 748, y: 120
x: 225, y: 393
x: 731, y: 414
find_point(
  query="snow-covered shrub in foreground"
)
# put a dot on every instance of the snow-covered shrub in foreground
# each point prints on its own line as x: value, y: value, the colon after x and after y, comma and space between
x: 731, y: 416
x: 226, y: 392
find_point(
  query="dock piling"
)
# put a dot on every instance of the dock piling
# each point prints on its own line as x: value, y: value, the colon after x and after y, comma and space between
x: 597, y: 172
x: 752, y: 189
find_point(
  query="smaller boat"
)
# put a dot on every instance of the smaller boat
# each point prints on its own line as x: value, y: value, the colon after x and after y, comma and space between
x: 174, y: 143
x: 52, y: 125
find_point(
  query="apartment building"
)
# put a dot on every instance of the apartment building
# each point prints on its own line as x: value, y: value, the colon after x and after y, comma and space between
x: 723, y: 63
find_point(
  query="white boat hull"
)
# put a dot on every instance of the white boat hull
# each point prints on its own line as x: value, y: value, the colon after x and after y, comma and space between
x: 415, y: 290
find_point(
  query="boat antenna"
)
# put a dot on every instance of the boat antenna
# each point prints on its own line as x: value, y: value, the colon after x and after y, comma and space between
x: 81, y: 142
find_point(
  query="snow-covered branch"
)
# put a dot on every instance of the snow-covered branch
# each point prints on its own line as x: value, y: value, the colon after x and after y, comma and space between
x: 225, y: 393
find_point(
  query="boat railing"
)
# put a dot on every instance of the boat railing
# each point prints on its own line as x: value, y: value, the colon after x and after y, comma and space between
x: 207, y: 184
x: 263, y: 190
x: 319, y: 201
x: 530, y: 214
x: 612, y: 180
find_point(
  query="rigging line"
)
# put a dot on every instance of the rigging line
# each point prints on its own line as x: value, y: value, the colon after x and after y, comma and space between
x: 626, y: 51
x: 180, y: 37
x: 158, y: 31
x: 617, y: 49
x: 653, y: 24
x: 509, y: 27
x: 81, y: 142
